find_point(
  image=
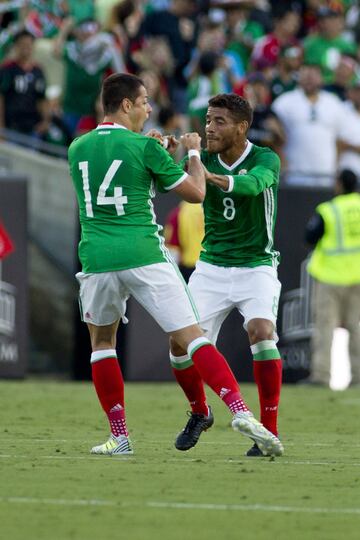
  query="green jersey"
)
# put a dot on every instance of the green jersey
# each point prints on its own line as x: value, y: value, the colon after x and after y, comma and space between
x: 239, y: 223
x: 115, y: 171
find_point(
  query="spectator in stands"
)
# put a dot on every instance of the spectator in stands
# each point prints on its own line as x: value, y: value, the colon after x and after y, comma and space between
x: 313, y: 119
x: 169, y: 121
x: 23, y: 105
x: 88, y: 57
x: 157, y: 93
x: 243, y: 30
x: 179, y: 26
x: 265, y: 129
x: 57, y: 132
x: 287, y: 70
x: 184, y: 231
x: 335, y: 265
x: 212, y: 39
x: 205, y: 83
x: 343, y: 76
x: 124, y: 23
x: 325, y: 47
x: 349, y: 143
x: 267, y: 49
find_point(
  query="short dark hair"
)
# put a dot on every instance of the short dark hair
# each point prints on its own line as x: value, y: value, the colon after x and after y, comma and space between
x: 116, y: 88
x: 21, y: 34
x: 348, y: 180
x: 238, y: 107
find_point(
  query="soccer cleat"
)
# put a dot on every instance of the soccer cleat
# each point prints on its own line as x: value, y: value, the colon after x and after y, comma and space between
x: 196, y: 424
x: 246, y: 423
x: 114, y: 446
x: 254, y: 451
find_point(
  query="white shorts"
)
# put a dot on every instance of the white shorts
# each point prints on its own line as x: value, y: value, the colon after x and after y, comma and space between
x: 217, y: 290
x: 159, y: 288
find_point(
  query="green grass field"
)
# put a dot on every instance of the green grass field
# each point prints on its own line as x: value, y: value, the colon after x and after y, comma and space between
x: 52, y: 489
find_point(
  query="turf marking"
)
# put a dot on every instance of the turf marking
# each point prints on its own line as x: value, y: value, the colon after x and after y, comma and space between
x: 185, y: 460
x: 180, y: 506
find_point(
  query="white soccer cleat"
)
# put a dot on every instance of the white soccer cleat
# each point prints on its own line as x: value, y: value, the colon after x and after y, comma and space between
x: 246, y: 423
x: 114, y: 446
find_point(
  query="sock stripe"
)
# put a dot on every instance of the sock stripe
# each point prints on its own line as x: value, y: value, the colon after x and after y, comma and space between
x: 263, y: 346
x: 96, y: 356
x: 272, y: 354
x: 196, y: 344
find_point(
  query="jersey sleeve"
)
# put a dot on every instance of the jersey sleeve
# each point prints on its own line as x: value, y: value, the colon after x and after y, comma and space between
x: 166, y: 173
x: 263, y: 175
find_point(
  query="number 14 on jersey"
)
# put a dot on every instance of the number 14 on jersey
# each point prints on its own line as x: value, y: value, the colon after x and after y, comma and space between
x: 118, y: 200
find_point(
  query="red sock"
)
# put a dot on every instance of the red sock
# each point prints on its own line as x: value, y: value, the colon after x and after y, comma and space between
x: 193, y: 388
x: 268, y: 377
x: 109, y: 386
x: 215, y: 371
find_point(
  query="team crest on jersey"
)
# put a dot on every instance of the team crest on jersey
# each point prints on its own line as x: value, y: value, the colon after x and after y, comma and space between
x: 242, y: 171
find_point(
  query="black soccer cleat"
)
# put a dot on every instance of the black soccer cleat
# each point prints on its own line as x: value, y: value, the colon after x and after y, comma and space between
x: 196, y: 424
x: 255, y: 451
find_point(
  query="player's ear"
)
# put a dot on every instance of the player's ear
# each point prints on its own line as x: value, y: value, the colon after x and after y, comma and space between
x: 243, y: 127
x: 126, y: 105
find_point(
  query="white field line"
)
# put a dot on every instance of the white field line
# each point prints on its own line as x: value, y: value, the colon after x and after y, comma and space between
x: 180, y: 506
x: 185, y: 460
x: 242, y: 442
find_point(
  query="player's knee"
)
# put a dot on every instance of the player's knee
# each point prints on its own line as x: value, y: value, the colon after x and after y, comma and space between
x: 260, y: 330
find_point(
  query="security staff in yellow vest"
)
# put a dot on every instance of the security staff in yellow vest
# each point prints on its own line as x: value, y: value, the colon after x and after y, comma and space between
x: 334, y: 230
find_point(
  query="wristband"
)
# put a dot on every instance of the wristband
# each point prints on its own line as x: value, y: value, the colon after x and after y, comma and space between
x: 192, y: 152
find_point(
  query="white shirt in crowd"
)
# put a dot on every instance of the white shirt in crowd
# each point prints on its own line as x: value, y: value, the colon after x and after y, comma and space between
x: 351, y: 134
x: 312, y: 130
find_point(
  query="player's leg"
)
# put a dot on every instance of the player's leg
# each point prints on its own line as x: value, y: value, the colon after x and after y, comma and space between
x: 201, y: 418
x: 267, y: 367
x: 261, y: 294
x: 97, y: 293
x: 166, y: 297
x: 217, y: 374
x: 213, y: 308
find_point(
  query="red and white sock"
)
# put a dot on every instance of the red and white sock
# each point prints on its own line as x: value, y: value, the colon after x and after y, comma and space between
x: 267, y: 367
x: 109, y: 386
x: 215, y: 371
x: 191, y: 383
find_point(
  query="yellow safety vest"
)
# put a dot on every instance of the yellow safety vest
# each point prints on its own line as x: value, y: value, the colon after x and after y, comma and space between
x: 336, y: 257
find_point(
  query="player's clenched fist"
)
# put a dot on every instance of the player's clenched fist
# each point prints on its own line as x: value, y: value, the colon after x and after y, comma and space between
x: 191, y: 141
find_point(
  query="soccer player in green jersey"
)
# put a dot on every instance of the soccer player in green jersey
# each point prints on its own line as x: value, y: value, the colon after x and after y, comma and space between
x: 237, y: 266
x: 115, y: 170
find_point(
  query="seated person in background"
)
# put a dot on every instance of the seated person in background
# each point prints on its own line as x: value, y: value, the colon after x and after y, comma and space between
x: 184, y: 231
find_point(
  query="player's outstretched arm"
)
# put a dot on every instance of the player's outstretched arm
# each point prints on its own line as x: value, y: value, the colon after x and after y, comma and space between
x: 193, y: 189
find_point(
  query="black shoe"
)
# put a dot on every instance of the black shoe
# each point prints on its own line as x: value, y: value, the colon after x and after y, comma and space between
x: 197, y: 423
x: 254, y: 452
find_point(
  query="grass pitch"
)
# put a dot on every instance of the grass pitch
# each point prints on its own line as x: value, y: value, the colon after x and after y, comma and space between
x: 52, y: 489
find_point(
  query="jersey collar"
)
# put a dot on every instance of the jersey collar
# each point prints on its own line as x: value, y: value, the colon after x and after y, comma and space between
x: 110, y: 125
x: 244, y: 155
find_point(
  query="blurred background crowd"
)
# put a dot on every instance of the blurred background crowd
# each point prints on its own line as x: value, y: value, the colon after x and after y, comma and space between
x: 297, y: 62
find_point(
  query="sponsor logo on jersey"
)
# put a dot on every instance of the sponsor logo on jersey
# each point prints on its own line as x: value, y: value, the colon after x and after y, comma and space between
x: 242, y: 171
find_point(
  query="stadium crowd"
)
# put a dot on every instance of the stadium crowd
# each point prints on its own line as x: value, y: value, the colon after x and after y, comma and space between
x: 297, y: 62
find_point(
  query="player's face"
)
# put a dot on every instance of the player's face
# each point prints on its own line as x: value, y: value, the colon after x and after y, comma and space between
x: 140, y: 111
x: 222, y: 132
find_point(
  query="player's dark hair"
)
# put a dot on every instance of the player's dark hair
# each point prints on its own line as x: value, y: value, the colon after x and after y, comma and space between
x: 238, y: 107
x: 116, y: 88
x: 21, y: 34
x: 348, y: 180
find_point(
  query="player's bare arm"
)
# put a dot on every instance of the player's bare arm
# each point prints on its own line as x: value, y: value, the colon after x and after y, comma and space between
x: 193, y: 189
x: 220, y: 180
